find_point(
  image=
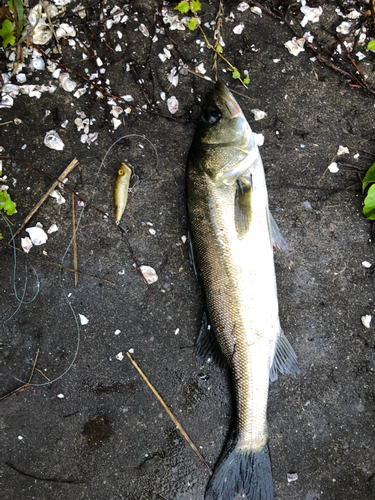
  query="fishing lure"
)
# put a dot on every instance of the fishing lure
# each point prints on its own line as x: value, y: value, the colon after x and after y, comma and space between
x: 120, y: 190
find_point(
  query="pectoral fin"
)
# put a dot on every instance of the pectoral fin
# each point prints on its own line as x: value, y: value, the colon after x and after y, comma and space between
x: 242, y: 206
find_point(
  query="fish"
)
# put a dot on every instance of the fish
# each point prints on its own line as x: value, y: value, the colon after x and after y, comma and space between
x: 120, y: 190
x: 232, y: 234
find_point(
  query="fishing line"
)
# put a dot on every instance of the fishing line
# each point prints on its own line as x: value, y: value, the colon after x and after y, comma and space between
x: 20, y: 300
x: 67, y: 250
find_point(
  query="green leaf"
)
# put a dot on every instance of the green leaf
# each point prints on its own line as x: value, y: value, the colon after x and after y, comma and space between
x: 195, y: 5
x: 369, y: 177
x: 236, y: 74
x: 192, y: 24
x: 6, y: 203
x: 219, y: 48
x: 6, y: 33
x: 369, y: 208
x: 183, y: 7
x: 246, y: 80
x: 371, y: 45
x: 19, y: 8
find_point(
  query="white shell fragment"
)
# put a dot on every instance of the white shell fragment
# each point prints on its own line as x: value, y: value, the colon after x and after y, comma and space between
x: 344, y: 28
x: 120, y: 356
x: 59, y: 198
x: 342, y: 151
x: 238, y: 29
x: 173, y: 76
x: 200, y: 69
x: 144, y: 30
x: 354, y: 14
x: 295, y: 46
x: 259, y: 139
x: 256, y: 10
x: 149, y: 274
x: 52, y: 229
x: 242, y: 6
x: 61, y: 396
x: 42, y: 33
x: 311, y: 14
x: 26, y: 244
x: 366, y: 320
x: 65, y: 30
x: 333, y: 168
x: 66, y: 83
x: 292, y: 477
x: 172, y: 103
x: 258, y: 114
x: 37, y: 235
x: 53, y: 141
x: 366, y: 264
x: 83, y: 319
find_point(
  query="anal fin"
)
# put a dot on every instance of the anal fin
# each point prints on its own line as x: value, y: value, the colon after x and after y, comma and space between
x: 207, y: 348
x: 285, y: 359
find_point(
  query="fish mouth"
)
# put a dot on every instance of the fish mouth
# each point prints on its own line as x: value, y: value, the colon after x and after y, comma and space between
x: 228, y: 100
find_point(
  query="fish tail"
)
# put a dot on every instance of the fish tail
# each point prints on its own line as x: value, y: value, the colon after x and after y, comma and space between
x: 241, y: 474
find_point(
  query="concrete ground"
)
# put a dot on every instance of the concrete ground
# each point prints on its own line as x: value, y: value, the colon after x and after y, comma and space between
x: 98, y: 432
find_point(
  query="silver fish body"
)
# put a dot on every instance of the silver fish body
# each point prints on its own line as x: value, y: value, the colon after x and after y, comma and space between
x: 232, y: 233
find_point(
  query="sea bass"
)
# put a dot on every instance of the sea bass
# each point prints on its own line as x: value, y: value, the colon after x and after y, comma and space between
x: 232, y: 232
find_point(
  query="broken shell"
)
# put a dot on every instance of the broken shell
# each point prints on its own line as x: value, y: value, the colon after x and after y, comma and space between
x: 37, y: 63
x: 173, y: 77
x: 26, y: 244
x: 21, y: 78
x: 53, y: 141
x: 37, y: 235
x: 344, y: 28
x: 200, y: 69
x: 6, y: 101
x: 259, y: 139
x: 366, y: 320
x: 120, y: 356
x: 243, y: 6
x: 65, y: 30
x: 172, y: 103
x: 258, y: 114
x: 238, y: 29
x: 149, y: 274
x: 144, y: 30
x: 295, y: 46
x: 83, y: 319
x: 42, y: 33
x: 52, y: 229
x: 342, y: 151
x: 59, y: 198
x: 256, y: 10
x: 66, y: 83
x: 333, y: 168
x: 116, y: 111
x: 116, y: 123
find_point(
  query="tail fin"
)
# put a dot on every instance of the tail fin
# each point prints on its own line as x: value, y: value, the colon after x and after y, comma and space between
x: 241, y: 475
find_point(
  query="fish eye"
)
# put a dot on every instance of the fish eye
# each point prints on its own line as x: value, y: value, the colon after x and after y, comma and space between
x: 211, y: 116
x: 121, y: 172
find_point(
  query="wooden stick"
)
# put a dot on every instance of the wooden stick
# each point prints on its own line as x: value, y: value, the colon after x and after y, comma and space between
x: 174, y: 419
x: 26, y: 386
x: 74, y: 244
x: 68, y: 169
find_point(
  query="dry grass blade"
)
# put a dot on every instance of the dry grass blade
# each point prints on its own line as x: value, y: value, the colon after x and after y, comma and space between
x: 174, y: 419
x: 23, y: 387
x: 74, y: 243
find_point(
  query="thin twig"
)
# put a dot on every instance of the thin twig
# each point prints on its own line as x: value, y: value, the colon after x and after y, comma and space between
x: 23, y: 387
x: 174, y: 419
x: 68, y: 169
x: 74, y: 243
